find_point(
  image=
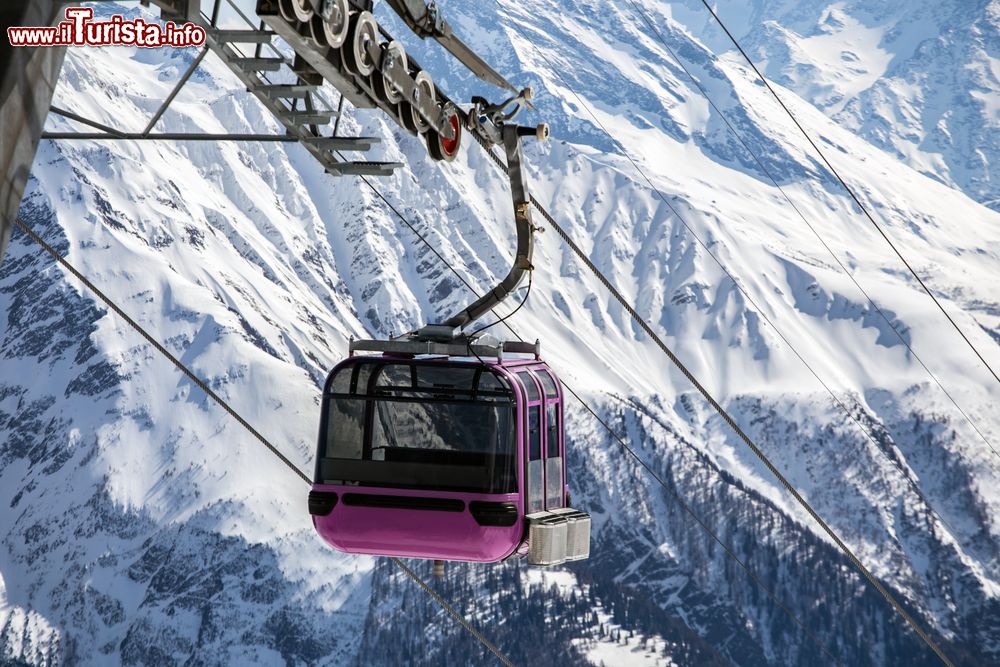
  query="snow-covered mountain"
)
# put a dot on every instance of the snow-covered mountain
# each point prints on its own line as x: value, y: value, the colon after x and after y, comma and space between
x: 921, y: 80
x: 141, y: 525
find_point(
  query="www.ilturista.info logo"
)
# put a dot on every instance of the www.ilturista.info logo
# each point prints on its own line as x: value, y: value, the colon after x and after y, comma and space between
x: 79, y: 29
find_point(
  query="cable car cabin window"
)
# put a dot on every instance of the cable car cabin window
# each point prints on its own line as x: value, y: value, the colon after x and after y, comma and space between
x: 445, y: 377
x: 548, y: 384
x: 421, y: 426
x: 530, y: 388
x: 552, y: 423
x: 535, y: 491
x: 345, y: 428
x: 342, y: 382
x: 553, y: 460
x: 395, y: 375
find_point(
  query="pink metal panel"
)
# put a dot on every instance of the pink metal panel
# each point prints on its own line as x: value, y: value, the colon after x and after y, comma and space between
x: 416, y: 533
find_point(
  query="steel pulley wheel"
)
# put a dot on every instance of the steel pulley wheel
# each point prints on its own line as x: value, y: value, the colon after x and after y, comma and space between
x: 336, y: 16
x: 362, y: 31
x: 423, y: 91
x: 392, y: 53
x: 303, y: 10
x: 317, y: 32
x: 287, y: 10
x: 439, y: 146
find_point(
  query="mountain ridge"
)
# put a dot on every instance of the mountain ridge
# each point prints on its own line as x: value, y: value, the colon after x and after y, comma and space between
x: 255, y: 268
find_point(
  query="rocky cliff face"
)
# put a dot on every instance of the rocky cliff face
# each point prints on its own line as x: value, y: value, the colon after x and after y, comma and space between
x: 141, y: 525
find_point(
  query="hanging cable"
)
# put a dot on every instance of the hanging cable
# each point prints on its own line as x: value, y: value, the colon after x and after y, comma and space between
x: 454, y: 614
x: 217, y: 399
x: 850, y: 191
x: 221, y: 402
x: 763, y: 167
x: 711, y: 400
x: 510, y: 314
x: 303, y: 476
x: 744, y: 437
x: 628, y: 449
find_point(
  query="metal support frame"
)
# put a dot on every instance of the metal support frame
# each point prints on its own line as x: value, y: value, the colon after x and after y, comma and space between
x: 177, y: 88
x: 269, y: 94
x: 452, y: 328
x: 105, y: 129
x: 426, y: 21
x: 28, y: 78
x: 485, y: 346
x: 330, y: 143
x: 331, y: 71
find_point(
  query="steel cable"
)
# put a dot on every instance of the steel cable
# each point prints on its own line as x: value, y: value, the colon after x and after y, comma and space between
x: 711, y: 400
x: 753, y: 576
x: 638, y: 319
x: 850, y: 191
x: 728, y: 419
x: 760, y: 163
x: 221, y: 402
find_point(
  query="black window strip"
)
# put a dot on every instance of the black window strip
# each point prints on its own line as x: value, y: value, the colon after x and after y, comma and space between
x: 403, y: 502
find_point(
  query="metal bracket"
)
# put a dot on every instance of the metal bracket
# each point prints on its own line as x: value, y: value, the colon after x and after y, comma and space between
x: 452, y: 328
x: 399, y: 76
x: 426, y: 21
x: 413, y: 345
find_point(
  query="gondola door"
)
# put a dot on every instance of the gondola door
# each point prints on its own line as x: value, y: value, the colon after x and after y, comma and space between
x: 534, y: 449
x: 555, y: 485
x: 545, y: 469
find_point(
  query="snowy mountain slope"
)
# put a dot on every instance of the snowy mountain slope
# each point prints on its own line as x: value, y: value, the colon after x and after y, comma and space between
x: 254, y: 267
x: 919, y: 80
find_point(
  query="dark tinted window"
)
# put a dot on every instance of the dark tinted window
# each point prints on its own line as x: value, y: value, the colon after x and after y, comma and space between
x: 552, y: 424
x: 548, y: 384
x: 386, y: 432
x: 534, y: 434
x: 530, y: 388
x: 345, y: 428
x: 446, y: 376
x: 394, y: 375
x: 342, y: 381
x: 488, y: 381
x: 362, y: 374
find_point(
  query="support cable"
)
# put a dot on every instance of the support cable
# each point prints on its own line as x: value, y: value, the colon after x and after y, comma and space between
x: 743, y: 436
x: 177, y: 88
x: 850, y: 191
x: 221, y: 402
x: 705, y: 393
x: 760, y: 163
x: 451, y: 611
x: 628, y: 449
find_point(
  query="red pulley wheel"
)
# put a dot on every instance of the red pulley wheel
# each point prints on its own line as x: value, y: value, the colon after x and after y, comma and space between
x: 439, y: 146
x: 450, y: 146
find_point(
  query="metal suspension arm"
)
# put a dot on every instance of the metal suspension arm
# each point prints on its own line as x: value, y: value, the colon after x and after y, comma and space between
x: 452, y: 328
x: 425, y: 21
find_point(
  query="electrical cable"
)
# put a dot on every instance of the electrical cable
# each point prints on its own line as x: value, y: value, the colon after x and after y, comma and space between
x: 221, y: 402
x: 508, y: 315
x: 607, y: 427
x: 745, y: 438
x: 274, y: 450
x: 760, y: 163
